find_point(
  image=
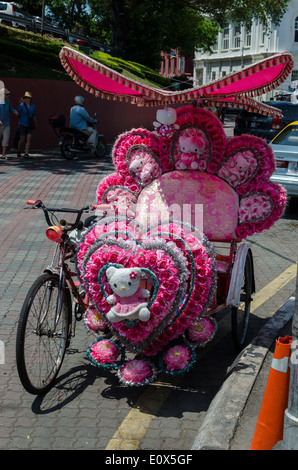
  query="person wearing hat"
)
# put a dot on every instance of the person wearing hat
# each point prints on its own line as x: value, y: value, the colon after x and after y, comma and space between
x: 5, y: 110
x: 27, y: 123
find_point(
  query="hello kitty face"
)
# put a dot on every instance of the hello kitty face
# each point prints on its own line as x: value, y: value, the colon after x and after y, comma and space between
x: 124, y: 281
x: 191, y: 144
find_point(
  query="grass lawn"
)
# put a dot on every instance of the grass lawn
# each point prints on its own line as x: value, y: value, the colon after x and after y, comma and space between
x: 28, y: 55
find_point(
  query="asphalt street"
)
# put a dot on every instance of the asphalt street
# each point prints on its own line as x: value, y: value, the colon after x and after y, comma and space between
x: 89, y: 409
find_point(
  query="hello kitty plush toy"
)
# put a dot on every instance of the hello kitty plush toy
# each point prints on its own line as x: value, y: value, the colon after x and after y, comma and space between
x: 191, y: 148
x: 242, y: 165
x: 237, y: 170
x: 128, y: 298
x: 136, y: 165
x: 165, y: 122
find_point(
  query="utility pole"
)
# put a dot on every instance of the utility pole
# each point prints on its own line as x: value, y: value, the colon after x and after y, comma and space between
x: 42, y: 16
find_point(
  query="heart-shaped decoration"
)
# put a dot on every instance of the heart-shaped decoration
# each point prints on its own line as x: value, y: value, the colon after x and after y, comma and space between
x: 240, y: 167
x: 254, y: 207
x: 177, y: 274
x: 143, y: 164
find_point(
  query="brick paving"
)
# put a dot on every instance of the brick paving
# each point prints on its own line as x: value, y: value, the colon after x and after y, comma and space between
x: 86, y: 406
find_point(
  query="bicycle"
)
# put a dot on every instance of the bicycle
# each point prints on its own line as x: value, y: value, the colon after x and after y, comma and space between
x: 48, y: 316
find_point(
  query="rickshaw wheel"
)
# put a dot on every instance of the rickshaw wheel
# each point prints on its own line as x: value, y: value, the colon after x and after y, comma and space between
x: 240, y: 315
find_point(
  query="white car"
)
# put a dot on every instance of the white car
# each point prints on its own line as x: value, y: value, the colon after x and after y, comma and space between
x: 285, y: 148
x: 12, y: 9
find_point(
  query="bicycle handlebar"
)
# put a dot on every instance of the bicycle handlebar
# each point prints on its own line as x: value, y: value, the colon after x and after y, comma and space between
x: 38, y: 204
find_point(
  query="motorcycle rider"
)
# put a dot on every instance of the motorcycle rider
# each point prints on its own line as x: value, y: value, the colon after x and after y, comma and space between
x: 79, y: 119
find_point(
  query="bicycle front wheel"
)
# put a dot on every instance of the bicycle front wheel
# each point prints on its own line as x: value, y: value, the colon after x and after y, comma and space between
x: 43, y: 333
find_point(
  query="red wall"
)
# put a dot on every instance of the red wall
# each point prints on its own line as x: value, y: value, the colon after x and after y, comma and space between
x: 52, y: 97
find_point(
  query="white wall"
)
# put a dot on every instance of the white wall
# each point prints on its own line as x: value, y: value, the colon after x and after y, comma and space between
x: 279, y: 39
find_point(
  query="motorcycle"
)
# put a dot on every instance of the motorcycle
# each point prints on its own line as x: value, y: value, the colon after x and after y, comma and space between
x: 73, y: 142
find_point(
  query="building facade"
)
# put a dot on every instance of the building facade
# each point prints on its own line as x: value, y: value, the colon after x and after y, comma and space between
x: 175, y: 65
x: 238, y: 47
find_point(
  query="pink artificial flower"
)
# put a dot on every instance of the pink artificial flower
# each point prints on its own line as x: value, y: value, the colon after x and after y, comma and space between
x: 105, y: 351
x: 201, y: 330
x: 136, y: 371
x: 94, y: 321
x: 177, y: 358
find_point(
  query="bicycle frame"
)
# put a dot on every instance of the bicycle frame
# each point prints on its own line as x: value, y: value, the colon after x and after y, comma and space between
x: 64, y: 251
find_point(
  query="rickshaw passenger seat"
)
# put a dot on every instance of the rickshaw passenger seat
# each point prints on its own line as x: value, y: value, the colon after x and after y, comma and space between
x: 202, y: 199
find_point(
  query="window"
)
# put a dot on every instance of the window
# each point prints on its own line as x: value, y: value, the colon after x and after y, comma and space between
x: 215, y: 47
x: 263, y: 34
x: 199, y: 77
x: 294, y: 75
x: 181, y: 64
x: 237, y: 37
x: 247, y: 38
x: 296, y: 30
x: 225, y: 39
x: 3, y: 6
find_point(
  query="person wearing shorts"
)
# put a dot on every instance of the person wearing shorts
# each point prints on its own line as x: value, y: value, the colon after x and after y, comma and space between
x: 5, y: 110
x: 27, y: 123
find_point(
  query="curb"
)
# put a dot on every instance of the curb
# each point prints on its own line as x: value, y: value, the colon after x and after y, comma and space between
x: 219, y: 425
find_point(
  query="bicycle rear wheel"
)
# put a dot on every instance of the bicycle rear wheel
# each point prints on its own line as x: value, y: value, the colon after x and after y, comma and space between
x: 102, y: 147
x: 40, y: 345
x: 65, y: 148
x: 240, y: 315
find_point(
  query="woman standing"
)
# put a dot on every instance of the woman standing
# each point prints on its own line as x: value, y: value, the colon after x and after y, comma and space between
x: 27, y: 123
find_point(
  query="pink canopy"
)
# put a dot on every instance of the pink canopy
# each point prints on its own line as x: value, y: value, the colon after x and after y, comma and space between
x: 238, y: 88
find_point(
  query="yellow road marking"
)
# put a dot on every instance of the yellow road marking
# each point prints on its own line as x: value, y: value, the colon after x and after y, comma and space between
x: 136, y: 423
x: 134, y: 427
x: 273, y: 287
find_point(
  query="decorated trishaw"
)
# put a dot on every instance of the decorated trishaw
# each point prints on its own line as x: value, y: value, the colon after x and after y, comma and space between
x: 167, y: 250
x: 154, y: 268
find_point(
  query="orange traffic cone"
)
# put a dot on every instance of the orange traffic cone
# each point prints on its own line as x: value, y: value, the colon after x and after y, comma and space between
x: 269, y: 427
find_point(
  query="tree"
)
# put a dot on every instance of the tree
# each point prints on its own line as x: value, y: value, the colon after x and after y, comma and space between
x: 241, y: 11
x: 34, y: 7
x: 70, y: 14
x: 141, y: 29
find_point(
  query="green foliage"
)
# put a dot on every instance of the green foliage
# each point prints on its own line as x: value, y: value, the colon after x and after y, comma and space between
x: 241, y: 11
x: 25, y: 54
x: 70, y: 14
x: 34, y: 7
x: 142, y: 29
x: 139, y: 30
x: 132, y: 70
